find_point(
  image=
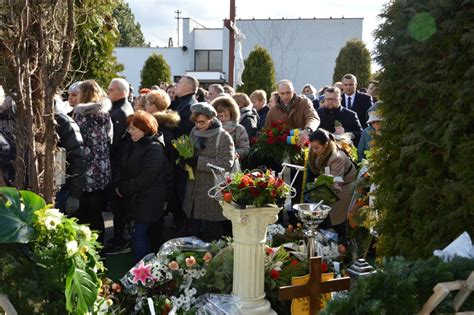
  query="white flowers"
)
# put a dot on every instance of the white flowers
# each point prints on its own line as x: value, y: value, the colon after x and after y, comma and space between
x: 84, y: 232
x: 52, y: 219
x: 71, y: 247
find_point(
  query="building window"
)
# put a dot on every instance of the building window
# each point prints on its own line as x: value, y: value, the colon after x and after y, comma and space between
x: 208, y: 60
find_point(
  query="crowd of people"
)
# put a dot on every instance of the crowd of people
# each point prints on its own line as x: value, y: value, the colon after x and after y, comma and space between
x: 120, y: 156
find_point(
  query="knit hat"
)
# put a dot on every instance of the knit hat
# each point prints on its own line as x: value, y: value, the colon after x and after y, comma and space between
x: 374, y: 116
x: 74, y: 88
x: 204, y: 108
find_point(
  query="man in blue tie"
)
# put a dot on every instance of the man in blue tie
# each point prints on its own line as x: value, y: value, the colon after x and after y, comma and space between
x: 354, y: 100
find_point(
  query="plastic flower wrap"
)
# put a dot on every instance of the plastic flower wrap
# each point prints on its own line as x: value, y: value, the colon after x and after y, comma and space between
x: 218, y: 304
x: 185, y: 147
x: 272, y: 143
x: 321, y: 189
x: 256, y: 188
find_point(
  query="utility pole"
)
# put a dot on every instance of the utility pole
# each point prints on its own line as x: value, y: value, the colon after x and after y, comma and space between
x: 178, y: 12
x: 230, y: 24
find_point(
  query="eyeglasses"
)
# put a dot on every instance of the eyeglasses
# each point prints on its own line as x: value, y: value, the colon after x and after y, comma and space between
x: 200, y: 122
x: 331, y: 99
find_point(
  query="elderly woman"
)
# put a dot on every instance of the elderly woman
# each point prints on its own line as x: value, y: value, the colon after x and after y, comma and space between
x: 141, y: 179
x: 325, y: 155
x: 212, y: 145
x: 92, y: 117
x: 229, y: 115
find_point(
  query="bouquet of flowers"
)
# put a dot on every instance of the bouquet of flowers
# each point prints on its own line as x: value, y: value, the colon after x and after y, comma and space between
x: 185, y: 147
x: 255, y: 188
x: 168, y: 276
x: 278, y: 141
x: 321, y: 189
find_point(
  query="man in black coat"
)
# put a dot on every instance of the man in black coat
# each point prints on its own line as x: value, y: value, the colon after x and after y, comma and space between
x: 337, y: 119
x: 70, y: 139
x: 118, y: 92
x: 186, y: 89
x: 354, y: 100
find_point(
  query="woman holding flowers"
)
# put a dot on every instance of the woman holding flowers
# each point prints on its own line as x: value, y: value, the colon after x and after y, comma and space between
x: 141, y: 179
x: 212, y: 145
x: 325, y: 155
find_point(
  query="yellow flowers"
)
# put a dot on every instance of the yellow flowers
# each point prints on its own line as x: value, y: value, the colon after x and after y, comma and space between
x: 185, y: 147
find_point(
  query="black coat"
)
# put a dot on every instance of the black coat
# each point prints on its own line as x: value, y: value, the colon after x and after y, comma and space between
x: 183, y: 108
x: 141, y: 178
x: 262, y: 115
x: 346, y: 117
x: 250, y: 120
x: 70, y: 139
x: 360, y: 104
x: 119, y: 112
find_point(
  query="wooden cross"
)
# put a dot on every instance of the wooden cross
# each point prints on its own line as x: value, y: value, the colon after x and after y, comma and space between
x: 314, y: 288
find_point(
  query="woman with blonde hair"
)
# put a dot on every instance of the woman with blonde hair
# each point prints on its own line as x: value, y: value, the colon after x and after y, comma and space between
x: 92, y: 117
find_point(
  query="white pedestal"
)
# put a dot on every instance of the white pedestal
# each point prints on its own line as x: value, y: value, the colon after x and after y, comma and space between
x: 249, y: 227
x: 6, y: 305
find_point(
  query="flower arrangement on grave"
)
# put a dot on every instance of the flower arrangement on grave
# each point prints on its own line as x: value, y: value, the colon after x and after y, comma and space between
x: 50, y: 263
x: 278, y: 142
x: 167, y: 279
x: 185, y: 148
x: 255, y: 188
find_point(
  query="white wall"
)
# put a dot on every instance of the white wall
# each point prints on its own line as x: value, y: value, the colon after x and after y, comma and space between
x: 134, y: 58
x: 208, y: 39
x: 304, y: 51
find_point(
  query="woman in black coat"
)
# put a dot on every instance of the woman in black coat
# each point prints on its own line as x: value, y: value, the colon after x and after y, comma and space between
x: 141, y: 178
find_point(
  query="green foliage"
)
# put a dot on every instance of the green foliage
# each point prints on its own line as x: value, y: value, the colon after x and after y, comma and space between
x: 259, y: 72
x: 218, y: 278
x: 96, y: 38
x: 402, y: 287
x: 353, y: 58
x: 56, y: 270
x: 130, y: 32
x: 423, y: 159
x: 155, y: 71
x: 15, y: 222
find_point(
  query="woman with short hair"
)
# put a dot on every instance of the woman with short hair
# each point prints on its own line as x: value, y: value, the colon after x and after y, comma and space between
x: 141, y: 179
x: 213, y: 145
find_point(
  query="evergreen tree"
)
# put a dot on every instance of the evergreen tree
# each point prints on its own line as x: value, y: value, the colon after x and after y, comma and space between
x: 155, y: 71
x: 423, y: 159
x: 259, y: 72
x: 96, y: 37
x: 130, y: 32
x: 353, y: 58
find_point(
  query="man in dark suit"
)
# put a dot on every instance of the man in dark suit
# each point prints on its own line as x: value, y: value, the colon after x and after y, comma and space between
x: 354, y: 100
x: 337, y: 119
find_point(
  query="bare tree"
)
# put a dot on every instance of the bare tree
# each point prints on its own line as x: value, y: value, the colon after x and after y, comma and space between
x: 37, y: 38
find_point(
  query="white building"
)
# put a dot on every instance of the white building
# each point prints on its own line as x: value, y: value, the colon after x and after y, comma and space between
x: 303, y: 50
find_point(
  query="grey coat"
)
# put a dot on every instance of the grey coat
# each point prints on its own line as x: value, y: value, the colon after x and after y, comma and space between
x: 220, y: 154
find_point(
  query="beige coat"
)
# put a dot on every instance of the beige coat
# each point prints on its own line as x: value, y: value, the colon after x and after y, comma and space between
x: 340, y: 164
x: 302, y: 114
x: 220, y: 154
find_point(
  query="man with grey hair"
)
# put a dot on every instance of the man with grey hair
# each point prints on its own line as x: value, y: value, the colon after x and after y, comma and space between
x: 118, y: 91
x: 215, y: 90
x: 354, y: 100
x: 297, y: 111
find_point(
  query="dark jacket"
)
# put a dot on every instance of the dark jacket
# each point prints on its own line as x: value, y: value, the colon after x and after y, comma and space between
x: 141, y: 178
x: 184, y: 110
x: 119, y: 112
x: 262, y: 114
x: 70, y: 139
x: 168, y: 121
x: 346, y: 117
x: 360, y: 104
x: 249, y: 119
